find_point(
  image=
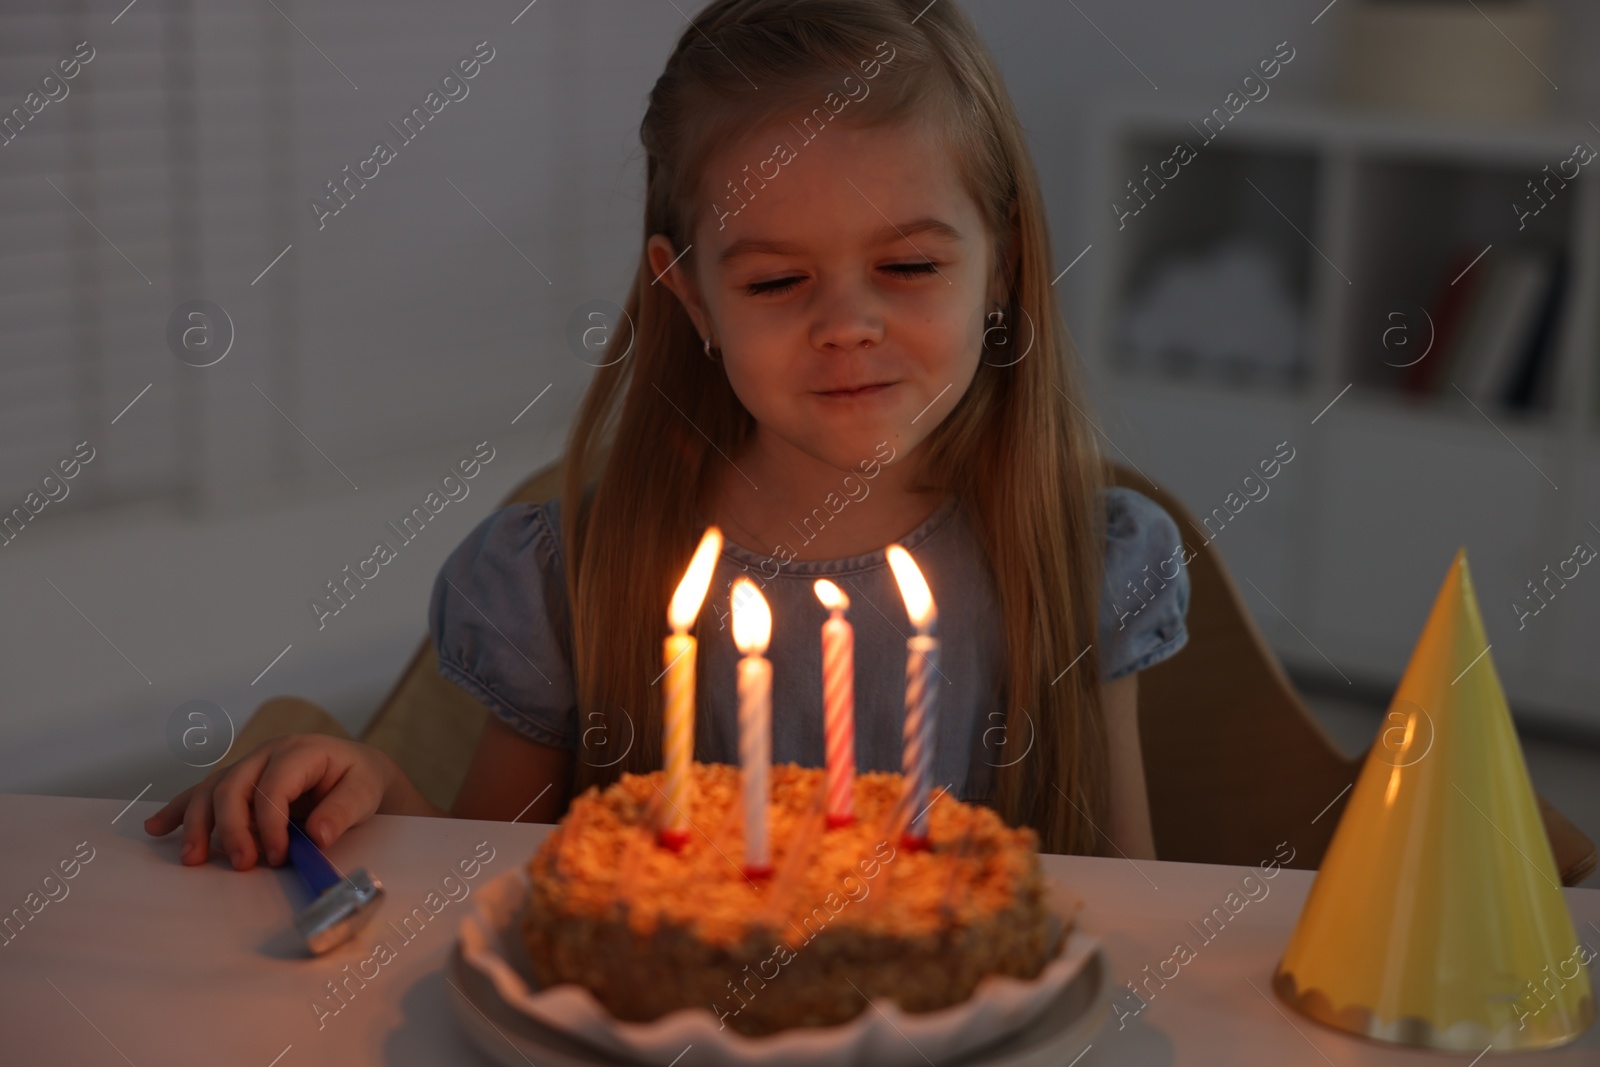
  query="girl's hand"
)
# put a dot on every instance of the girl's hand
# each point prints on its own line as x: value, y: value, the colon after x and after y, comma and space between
x: 340, y: 783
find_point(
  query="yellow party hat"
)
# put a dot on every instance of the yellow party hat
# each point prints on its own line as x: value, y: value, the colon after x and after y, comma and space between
x: 1437, y: 917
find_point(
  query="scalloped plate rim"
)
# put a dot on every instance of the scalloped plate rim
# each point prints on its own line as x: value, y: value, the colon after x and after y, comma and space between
x: 477, y: 931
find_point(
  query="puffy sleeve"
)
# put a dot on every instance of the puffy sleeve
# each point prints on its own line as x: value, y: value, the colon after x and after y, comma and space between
x: 500, y: 622
x: 1146, y: 596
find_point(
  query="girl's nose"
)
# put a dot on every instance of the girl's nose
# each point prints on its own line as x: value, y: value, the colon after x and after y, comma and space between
x: 847, y: 323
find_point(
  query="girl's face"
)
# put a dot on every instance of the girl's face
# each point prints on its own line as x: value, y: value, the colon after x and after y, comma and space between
x: 846, y: 292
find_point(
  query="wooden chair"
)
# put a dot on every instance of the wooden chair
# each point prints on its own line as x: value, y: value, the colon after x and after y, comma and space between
x: 1234, y: 762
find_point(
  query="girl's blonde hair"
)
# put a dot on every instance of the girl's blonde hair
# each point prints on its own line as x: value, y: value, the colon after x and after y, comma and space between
x: 1015, y: 450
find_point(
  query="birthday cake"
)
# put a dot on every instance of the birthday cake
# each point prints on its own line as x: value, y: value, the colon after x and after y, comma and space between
x: 847, y: 914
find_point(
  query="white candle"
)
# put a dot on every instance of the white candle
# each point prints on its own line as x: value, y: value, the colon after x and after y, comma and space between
x: 752, y: 628
x: 922, y: 653
x: 678, y: 652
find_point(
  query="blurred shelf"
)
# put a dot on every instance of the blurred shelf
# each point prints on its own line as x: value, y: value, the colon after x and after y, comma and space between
x: 1281, y: 282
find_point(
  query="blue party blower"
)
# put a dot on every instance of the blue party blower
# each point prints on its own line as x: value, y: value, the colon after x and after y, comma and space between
x: 340, y: 906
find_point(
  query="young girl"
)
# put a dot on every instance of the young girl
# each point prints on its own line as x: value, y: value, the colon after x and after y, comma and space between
x: 844, y: 337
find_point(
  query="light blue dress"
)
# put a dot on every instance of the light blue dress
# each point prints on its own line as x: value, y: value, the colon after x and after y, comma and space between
x: 501, y: 626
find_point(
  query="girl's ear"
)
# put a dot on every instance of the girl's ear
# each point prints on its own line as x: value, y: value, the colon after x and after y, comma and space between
x: 665, y: 266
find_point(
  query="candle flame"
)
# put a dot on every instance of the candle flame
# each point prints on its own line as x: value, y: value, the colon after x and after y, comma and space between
x: 913, y: 588
x: 696, y: 580
x: 832, y: 596
x: 752, y: 619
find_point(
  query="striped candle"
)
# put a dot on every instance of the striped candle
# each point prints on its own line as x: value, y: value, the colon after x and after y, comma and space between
x: 838, y: 702
x: 752, y: 628
x: 922, y: 654
x: 678, y: 653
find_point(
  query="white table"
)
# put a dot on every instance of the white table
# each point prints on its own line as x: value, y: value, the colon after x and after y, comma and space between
x: 147, y: 962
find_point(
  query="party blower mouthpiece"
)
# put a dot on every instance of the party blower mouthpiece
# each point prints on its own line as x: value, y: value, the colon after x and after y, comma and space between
x: 340, y: 906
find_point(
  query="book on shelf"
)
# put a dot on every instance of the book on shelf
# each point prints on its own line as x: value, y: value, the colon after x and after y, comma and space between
x: 1458, y: 289
x: 1495, y: 341
x: 1531, y: 383
x: 1508, y: 315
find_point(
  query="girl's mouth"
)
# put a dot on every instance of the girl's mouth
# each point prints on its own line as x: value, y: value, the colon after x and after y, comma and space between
x: 854, y: 393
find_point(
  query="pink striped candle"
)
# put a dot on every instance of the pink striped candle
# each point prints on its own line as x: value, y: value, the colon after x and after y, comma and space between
x: 838, y: 703
x: 922, y: 653
x: 752, y: 628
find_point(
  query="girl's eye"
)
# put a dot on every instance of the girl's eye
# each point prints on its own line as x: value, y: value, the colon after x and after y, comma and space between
x: 783, y: 285
x: 780, y: 285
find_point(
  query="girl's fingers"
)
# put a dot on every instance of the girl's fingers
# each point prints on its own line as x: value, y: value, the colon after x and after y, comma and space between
x: 255, y: 797
x: 197, y: 828
x: 352, y: 800
x: 231, y: 805
x: 162, y: 822
x: 310, y: 768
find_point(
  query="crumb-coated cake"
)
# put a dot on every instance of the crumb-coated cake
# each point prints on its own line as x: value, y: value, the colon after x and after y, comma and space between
x: 848, y: 913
